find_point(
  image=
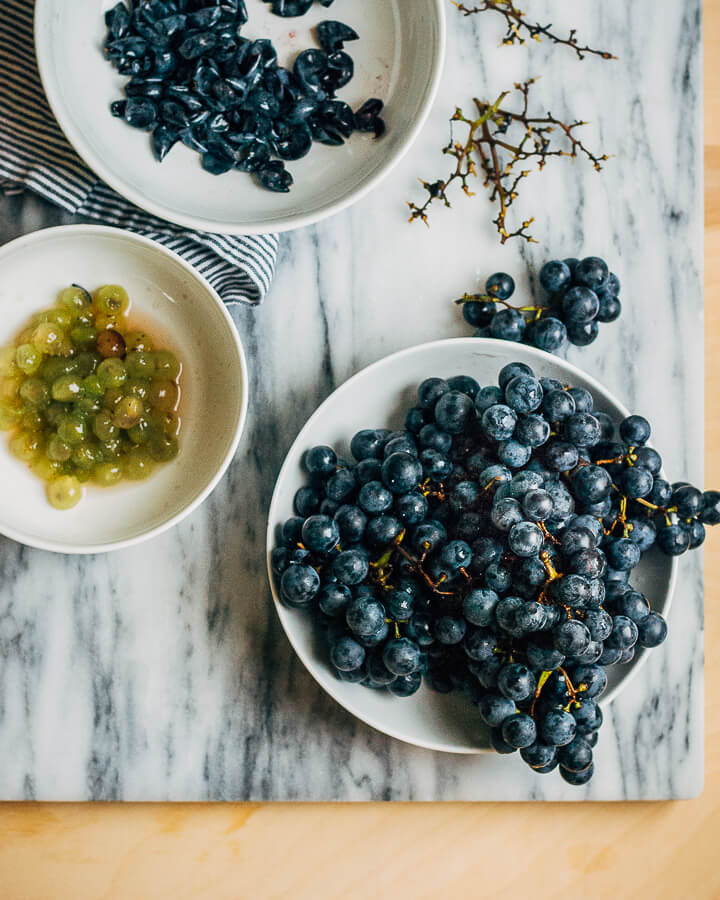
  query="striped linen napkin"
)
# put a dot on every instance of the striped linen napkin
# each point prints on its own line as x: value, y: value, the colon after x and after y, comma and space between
x: 35, y: 154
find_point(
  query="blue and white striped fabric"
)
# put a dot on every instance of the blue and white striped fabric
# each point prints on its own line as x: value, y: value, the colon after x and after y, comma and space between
x: 35, y: 154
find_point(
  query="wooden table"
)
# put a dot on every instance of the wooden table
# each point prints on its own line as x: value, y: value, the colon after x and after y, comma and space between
x: 53, y: 852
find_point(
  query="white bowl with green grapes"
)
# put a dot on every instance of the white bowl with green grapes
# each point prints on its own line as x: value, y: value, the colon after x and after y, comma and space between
x: 123, y: 389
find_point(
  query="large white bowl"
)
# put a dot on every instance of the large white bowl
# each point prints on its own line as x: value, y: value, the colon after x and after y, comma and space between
x: 378, y: 396
x: 398, y: 58
x: 170, y: 299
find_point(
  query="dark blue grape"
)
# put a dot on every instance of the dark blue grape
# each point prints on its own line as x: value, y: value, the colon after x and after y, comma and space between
x: 516, y: 682
x: 519, y: 731
x: 320, y: 533
x: 557, y: 728
x: 558, y: 405
x: 582, y: 334
x: 508, y: 325
x: 347, y: 655
x: 350, y: 566
x: 299, y: 585
x: 673, y: 540
x: 406, y: 685
x: 549, y: 334
x: 571, y: 637
x: 500, y: 285
x: 635, y: 430
x: 401, y: 656
x: 540, y: 757
x: 334, y: 598
x: 365, y: 616
x: 449, y: 629
x: 592, y: 272
x: 576, y: 756
x: 498, y: 422
x: 555, y: 276
x: 401, y: 472
x: 478, y: 313
x: 494, y: 709
x: 652, y: 630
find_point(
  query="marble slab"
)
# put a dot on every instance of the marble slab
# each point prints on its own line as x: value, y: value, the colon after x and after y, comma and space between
x: 162, y: 673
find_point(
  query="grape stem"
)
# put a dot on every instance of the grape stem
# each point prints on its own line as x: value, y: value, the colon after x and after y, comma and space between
x: 518, y: 28
x: 497, y: 142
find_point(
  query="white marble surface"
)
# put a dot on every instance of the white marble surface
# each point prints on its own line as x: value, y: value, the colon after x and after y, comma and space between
x: 162, y: 672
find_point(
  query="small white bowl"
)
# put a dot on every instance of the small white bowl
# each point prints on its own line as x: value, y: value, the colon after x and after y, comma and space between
x: 378, y: 397
x: 171, y: 299
x: 399, y: 58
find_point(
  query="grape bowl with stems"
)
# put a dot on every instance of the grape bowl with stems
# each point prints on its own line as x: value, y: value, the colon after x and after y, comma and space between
x: 442, y: 711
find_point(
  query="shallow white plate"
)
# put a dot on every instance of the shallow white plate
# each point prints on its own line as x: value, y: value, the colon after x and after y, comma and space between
x: 169, y: 299
x: 379, y: 396
x: 398, y: 58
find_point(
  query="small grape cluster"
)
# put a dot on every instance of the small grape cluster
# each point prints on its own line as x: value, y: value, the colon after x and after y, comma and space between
x: 488, y: 546
x: 580, y: 294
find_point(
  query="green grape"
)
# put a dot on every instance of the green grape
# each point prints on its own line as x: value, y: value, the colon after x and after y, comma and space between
x: 112, y: 372
x: 87, y: 363
x: 62, y: 317
x: 45, y: 468
x: 167, y: 365
x: 27, y: 445
x: 142, y: 432
x: 128, y: 412
x: 111, y: 299
x: 9, y: 417
x: 54, y: 413
x: 10, y: 389
x: 74, y: 298
x: 86, y: 456
x: 112, y: 397
x: 87, y: 406
x: 108, y: 474
x: 140, y: 364
x: 72, y: 429
x: 138, y: 340
x: 58, y: 450
x: 138, y: 464
x: 111, y: 450
x: 84, y: 336
x: 86, y: 320
x: 93, y: 388
x: 67, y: 388
x: 50, y: 338
x: 164, y: 448
x: 103, y: 427
x: 167, y: 422
x: 28, y: 358
x: 35, y: 392
x: 136, y: 387
x: 104, y: 322
x: 8, y: 364
x: 33, y: 420
x: 55, y: 367
x: 64, y: 492
x: 164, y: 395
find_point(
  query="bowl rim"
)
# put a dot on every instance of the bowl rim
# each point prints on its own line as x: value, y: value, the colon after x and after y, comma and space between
x: 122, y: 234
x: 285, y: 614
x: 286, y: 222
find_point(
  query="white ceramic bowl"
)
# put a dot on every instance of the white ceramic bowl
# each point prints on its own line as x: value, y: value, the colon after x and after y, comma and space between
x: 376, y: 397
x: 398, y: 58
x: 170, y: 299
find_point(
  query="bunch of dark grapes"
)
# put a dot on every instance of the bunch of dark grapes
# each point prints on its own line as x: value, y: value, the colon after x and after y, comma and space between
x: 489, y: 546
x: 580, y: 295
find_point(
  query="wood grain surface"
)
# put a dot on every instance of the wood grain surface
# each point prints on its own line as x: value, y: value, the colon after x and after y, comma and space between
x: 53, y: 852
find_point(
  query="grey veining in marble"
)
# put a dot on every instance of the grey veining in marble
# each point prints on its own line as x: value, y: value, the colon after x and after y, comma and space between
x: 161, y: 672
